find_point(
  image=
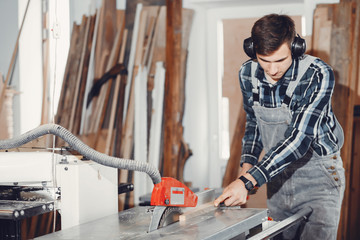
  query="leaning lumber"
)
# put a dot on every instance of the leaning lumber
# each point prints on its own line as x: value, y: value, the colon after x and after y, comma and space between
x: 13, y: 58
x: 172, y: 87
x: 76, y: 96
x: 78, y: 117
x: 343, y: 52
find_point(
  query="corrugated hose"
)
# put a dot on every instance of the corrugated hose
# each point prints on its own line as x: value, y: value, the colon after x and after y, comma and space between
x: 83, y: 149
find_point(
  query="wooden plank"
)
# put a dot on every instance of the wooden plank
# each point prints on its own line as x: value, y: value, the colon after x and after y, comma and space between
x: 185, y: 152
x: 109, y: 139
x: 342, y: 53
x: 45, y: 108
x: 86, y: 112
x: 131, y: 61
x: 105, y: 36
x: 84, y: 76
x: 128, y: 133
x: 322, y: 26
x: 104, y: 45
x: 156, y: 54
x: 157, y: 116
x: 132, y: 24
x: 152, y: 13
x: 33, y: 225
x: 79, y: 73
x: 98, y: 117
x: 354, y: 204
x: 142, y: 181
x: 343, y: 59
x: 13, y: 58
x: 127, y: 141
x: 157, y: 48
x: 74, y: 70
x: 65, y: 84
x: 172, y: 87
x: 69, y: 82
x: 130, y: 20
x: 103, y: 99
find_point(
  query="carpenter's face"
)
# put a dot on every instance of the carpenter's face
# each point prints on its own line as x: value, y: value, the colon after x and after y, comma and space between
x: 277, y: 63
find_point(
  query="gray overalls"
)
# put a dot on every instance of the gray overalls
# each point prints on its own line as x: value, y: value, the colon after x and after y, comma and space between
x: 315, y: 181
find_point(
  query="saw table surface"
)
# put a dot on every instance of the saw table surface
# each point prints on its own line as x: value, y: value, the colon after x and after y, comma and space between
x: 215, y: 223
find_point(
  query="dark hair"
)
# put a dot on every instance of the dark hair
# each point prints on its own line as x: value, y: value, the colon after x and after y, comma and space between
x: 271, y: 31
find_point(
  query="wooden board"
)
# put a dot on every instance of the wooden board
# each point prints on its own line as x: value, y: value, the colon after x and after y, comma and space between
x: 322, y: 26
x: 157, y: 116
x: 82, y: 53
x: 130, y: 20
x: 172, y: 125
x: 354, y: 203
x: 344, y: 53
x: 66, y: 82
x: 78, y: 117
x: 105, y: 36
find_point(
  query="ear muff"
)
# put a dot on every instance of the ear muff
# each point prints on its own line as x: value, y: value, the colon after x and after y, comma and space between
x: 298, y: 47
x: 249, y: 48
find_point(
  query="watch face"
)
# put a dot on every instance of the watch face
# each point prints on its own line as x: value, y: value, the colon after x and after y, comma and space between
x: 249, y: 186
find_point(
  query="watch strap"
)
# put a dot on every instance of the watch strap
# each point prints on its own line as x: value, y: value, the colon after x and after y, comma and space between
x: 248, y: 184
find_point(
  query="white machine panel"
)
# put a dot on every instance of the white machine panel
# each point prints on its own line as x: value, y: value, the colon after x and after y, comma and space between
x: 88, y: 192
x: 85, y: 190
x: 22, y: 168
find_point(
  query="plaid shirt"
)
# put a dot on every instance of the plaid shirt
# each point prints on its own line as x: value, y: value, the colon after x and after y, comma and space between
x: 312, y: 121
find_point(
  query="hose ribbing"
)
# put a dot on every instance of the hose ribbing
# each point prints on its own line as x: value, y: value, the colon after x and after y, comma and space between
x: 83, y: 149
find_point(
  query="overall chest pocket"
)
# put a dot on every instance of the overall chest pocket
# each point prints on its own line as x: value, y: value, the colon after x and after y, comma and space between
x: 272, y: 124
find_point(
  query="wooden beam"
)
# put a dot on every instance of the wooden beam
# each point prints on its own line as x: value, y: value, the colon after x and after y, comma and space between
x: 84, y: 76
x: 82, y: 54
x: 130, y: 20
x: 354, y: 203
x: 343, y: 58
x: 172, y: 87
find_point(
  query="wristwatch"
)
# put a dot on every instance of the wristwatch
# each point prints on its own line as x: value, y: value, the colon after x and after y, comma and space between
x: 248, y: 184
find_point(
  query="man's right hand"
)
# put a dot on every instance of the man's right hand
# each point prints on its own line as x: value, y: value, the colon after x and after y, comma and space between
x: 233, y: 195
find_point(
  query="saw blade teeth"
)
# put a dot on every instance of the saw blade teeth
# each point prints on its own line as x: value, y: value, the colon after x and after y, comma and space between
x: 170, y: 215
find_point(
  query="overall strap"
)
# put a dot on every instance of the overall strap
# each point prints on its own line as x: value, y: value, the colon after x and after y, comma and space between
x: 304, y: 64
x: 255, y: 84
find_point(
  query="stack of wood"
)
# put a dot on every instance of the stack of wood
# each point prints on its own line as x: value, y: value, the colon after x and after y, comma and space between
x: 116, y: 104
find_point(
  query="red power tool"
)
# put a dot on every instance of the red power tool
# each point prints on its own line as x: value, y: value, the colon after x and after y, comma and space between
x: 167, y: 197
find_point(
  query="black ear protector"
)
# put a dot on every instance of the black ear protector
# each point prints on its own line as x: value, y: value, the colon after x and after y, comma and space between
x: 298, y: 47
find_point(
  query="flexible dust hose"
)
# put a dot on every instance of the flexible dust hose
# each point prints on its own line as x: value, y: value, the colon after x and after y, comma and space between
x: 83, y: 149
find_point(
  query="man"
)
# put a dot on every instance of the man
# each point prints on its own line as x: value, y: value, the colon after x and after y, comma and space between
x: 287, y: 100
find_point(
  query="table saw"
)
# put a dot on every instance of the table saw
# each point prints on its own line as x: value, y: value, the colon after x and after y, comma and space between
x: 201, y: 222
x: 175, y: 212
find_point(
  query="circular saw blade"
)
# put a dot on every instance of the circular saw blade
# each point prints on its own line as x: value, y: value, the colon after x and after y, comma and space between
x: 163, y: 216
x: 169, y: 216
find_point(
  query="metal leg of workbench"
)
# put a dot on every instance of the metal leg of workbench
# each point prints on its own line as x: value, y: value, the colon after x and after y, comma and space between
x: 278, y: 228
